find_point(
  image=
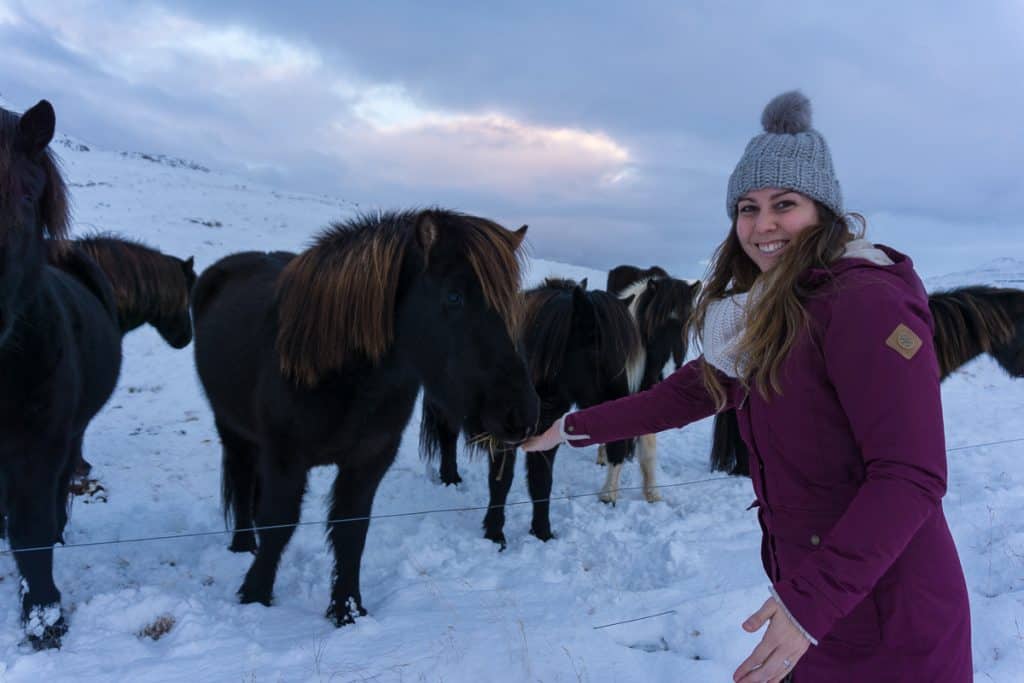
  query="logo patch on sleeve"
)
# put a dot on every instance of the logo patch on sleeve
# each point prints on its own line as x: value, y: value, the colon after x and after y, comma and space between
x: 904, y: 341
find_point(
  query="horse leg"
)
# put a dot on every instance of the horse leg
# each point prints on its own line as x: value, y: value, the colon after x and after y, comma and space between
x: 648, y: 466
x: 501, y: 470
x: 32, y: 523
x: 352, y: 499
x: 539, y: 470
x: 282, y: 484
x: 610, y: 490
x: 448, y: 441
x: 64, y: 486
x: 239, y: 483
x: 82, y: 467
x: 602, y: 455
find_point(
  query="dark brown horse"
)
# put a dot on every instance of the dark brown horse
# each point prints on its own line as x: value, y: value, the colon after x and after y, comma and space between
x: 317, y: 359
x: 969, y: 322
x: 60, y: 355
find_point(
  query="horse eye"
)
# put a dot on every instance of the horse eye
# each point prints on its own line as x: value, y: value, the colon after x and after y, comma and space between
x: 454, y: 299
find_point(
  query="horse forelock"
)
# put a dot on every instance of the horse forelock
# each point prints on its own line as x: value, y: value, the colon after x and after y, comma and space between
x: 497, y: 261
x: 54, y: 206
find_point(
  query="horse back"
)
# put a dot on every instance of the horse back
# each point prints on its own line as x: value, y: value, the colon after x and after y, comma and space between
x: 233, y: 309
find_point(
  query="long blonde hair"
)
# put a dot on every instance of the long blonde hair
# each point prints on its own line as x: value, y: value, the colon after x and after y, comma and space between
x: 772, y: 325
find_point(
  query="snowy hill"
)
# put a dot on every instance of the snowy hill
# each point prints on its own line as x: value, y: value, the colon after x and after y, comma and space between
x: 445, y: 604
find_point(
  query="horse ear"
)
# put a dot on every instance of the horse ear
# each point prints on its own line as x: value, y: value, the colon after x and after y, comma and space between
x: 519, y: 235
x: 652, y: 284
x: 36, y: 128
x: 190, y: 263
x: 583, y: 284
x: 426, y: 233
x: 584, y: 318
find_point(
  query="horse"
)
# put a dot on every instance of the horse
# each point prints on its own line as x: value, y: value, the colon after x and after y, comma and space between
x: 969, y: 321
x: 60, y: 355
x: 317, y: 359
x: 581, y: 348
x: 661, y: 306
x: 149, y: 287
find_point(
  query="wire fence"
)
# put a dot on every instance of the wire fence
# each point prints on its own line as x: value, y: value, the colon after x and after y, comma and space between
x: 399, y: 515
x: 346, y: 520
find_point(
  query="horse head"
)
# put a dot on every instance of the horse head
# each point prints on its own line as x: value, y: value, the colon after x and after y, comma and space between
x: 457, y: 319
x: 33, y: 203
x: 175, y: 325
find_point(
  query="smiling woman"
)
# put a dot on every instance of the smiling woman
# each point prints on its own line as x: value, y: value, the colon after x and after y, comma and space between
x: 822, y: 343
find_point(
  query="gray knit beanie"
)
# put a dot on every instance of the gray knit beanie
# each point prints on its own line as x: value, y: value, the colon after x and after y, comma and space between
x: 789, y: 154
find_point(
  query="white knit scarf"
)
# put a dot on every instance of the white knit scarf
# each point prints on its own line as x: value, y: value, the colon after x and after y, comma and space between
x: 726, y: 317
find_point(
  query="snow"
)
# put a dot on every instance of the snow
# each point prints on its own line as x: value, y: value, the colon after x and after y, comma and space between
x: 445, y: 605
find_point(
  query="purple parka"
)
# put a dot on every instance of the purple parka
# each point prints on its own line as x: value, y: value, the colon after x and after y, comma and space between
x: 849, y: 469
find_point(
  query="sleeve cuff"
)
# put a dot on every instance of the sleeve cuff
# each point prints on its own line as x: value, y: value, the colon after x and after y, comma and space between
x: 789, y: 614
x: 568, y: 436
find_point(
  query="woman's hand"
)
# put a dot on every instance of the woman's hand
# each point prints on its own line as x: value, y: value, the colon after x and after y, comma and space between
x: 546, y: 441
x: 778, y: 652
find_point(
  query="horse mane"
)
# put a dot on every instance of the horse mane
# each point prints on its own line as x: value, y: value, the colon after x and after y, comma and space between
x: 55, y: 208
x: 336, y: 301
x: 618, y: 341
x: 654, y: 306
x: 147, y: 283
x: 547, y: 326
x: 970, y: 321
x: 621, y: 277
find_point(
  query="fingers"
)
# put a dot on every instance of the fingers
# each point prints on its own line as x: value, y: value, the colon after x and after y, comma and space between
x: 771, y: 670
x: 546, y: 441
x: 758, y: 618
x: 749, y: 670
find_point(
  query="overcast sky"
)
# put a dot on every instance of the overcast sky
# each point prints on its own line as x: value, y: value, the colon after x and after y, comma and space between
x: 610, y: 128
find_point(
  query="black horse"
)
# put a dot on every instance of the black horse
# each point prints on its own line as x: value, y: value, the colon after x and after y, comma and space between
x: 317, y: 359
x: 582, y: 348
x: 60, y: 355
x: 969, y: 321
x: 149, y: 287
x: 661, y: 306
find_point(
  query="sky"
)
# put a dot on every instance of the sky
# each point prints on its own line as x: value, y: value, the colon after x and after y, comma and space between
x: 609, y: 128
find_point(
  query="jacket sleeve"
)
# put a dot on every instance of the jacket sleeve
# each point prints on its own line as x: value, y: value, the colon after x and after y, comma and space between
x: 894, y: 410
x: 676, y: 401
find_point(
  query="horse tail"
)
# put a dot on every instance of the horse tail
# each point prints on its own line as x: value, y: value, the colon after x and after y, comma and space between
x: 728, y: 452
x: 970, y: 321
x: 432, y: 425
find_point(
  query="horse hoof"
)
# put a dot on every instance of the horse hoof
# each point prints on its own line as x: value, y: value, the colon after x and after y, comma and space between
x: 45, y: 626
x: 608, y: 497
x: 497, y: 538
x: 545, y: 535
x: 652, y: 496
x: 346, y: 613
x: 451, y: 480
x: 248, y: 596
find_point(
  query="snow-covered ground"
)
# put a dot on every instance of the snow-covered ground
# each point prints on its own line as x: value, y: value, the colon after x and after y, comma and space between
x: 445, y: 605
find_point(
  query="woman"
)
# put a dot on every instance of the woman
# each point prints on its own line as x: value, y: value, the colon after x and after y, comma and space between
x: 821, y: 341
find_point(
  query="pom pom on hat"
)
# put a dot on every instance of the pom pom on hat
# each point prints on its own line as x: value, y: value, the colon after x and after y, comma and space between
x: 789, y: 153
x: 788, y: 113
